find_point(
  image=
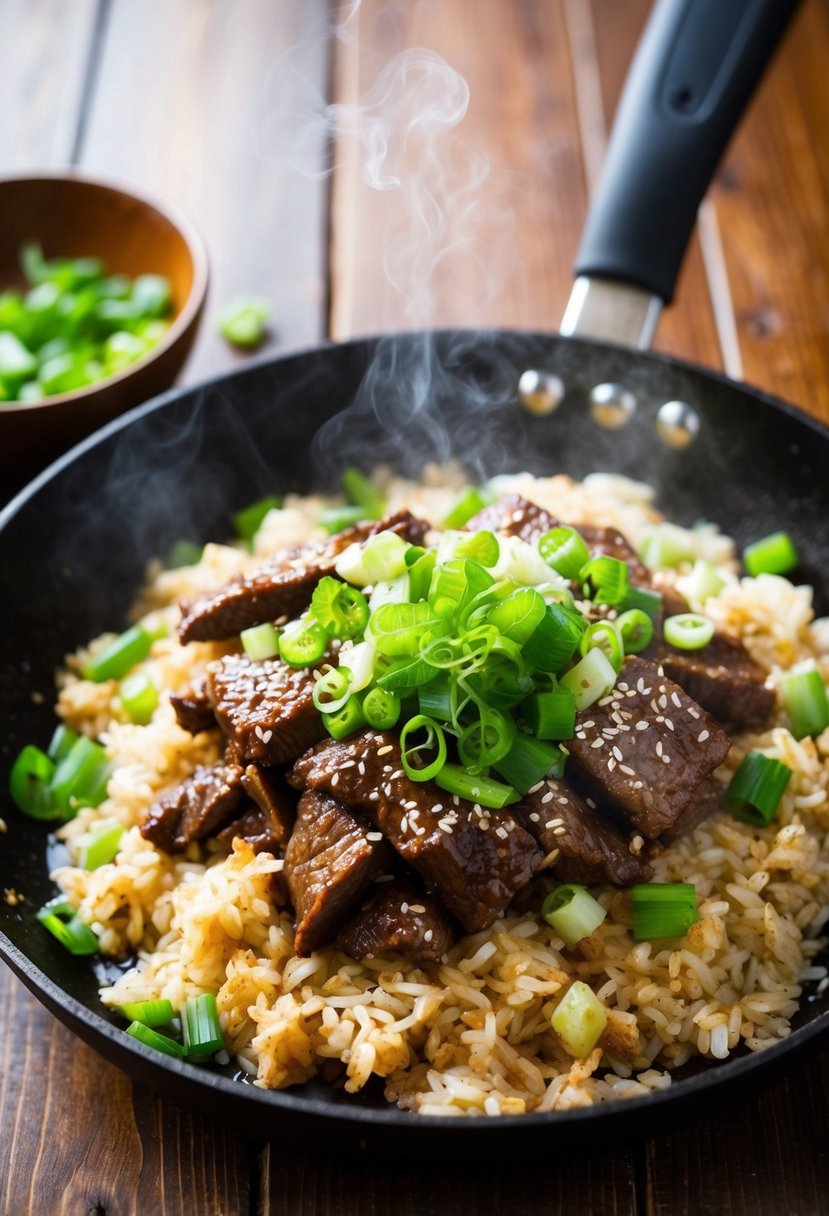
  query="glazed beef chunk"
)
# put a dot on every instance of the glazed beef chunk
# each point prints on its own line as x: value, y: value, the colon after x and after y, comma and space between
x: 196, y: 808
x: 473, y: 860
x: 283, y: 586
x: 706, y: 800
x: 266, y: 708
x: 193, y: 709
x: 396, y: 916
x: 331, y: 858
x: 273, y: 798
x: 647, y: 747
x: 514, y: 515
x: 722, y: 677
x: 590, y: 848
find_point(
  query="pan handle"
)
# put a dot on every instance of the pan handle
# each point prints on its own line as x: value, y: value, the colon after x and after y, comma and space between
x: 694, y: 71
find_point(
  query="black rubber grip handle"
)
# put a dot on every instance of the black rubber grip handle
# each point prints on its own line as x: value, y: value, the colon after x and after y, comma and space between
x: 693, y: 73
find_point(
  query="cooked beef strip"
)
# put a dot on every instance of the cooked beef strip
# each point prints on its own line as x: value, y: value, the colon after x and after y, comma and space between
x: 722, y: 677
x: 193, y: 709
x: 514, y: 515
x: 474, y: 860
x: 274, y: 798
x: 201, y: 804
x: 706, y: 800
x: 590, y: 848
x: 331, y: 859
x: 255, y: 827
x: 611, y: 542
x: 648, y: 747
x: 396, y: 916
x: 284, y: 585
x: 266, y: 708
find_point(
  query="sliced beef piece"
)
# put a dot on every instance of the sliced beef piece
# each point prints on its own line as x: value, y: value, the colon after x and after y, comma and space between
x: 198, y: 807
x: 611, y: 542
x: 283, y: 586
x: 472, y: 858
x: 396, y: 916
x: 193, y: 709
x: 255, y: 827
x: 648, y: 747
x: 722, y: 677
x: 274, y: 798
x: 590, y: 848
x: 266, y: 708
x: 706, y: 800
x: 331, y: 858
x: 514, y: 515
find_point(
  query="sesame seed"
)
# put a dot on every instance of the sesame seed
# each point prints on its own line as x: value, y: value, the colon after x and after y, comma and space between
x: 563, y: 800
x: 404, y: 907
x: 361, y: 769
x: 659, y: 748
x: 501, y: 832
x: 404, y: 824
x: 438, y: 808
x: 267, y: 736
x: 676, y: 700
x: 641, y: 725
x: 560, y: 831
x: 384, y: 751
x: 538, y: 785
x: 624, y: 768
x: 617, y: 753
x: 702, y: 736
x: 591, y: 803
x: 374, y: 835
x: 611, y: 764
x: 666, y: 759
x: 374, y: 796
x: 693, y: 712
x: 534, y: 816
x: 428, y: 935
x: 335, y: 778
x: 663, y: 702
x: 397, y: 774
x: 597, y: 743
x: 669, y: 724
x: 548, y: 797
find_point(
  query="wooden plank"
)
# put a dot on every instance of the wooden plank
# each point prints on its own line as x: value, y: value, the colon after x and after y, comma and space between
x: 483, y: 226
x: 78, y: 1137
x: 772, y: 199
x: 205, y: 104
x: 600, y: 1182
x: 44, y: 49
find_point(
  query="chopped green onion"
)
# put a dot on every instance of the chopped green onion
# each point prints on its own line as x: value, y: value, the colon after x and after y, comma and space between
x: 159, y: 1042
x: 260, y: 641
x: 556, y: 639
x: 249, y: 520
x: 666, y: 545
x: 99, y: 845
x: 527, y: 762
x: 551, y: 715
x: 703, y: 582
x: 359, y: 661
x: 341, y: 610
x: 183, y: 553
x: 804, y: 694
x: 434, y: 744
x: 30, y: 783
x: 573, y: 913
x: 200, y: 1026
x: 244, y: 320
x: 483, y: 790
x: 63, y: 922
x: 337, y: 519
x: 396, y: 629
x: 775, y: 554
x: 565, y: 551
x: 139, y: 697
x: 345, y: 720
x: 579, y: 1020
x: 380, y: 558
x: 62, y: 742
x: 483, y: 547
x: 363, y: 493
x: 688, y: 631
x: 406, y: 673
x: 420, y: 575
x: 395, y: 591
x: 519, y: 615
x: 636, y: 630
x: 332, y: 690
x: 119, y: 656
x: 590, y: 679
x: 646, y: 600
x: 486, y: 740
x: 468, y: 503
x: 381, y: 708
x: 663, y: 909
x: 756, y: 788
x: 302, y: 645
x: 605, y: 579
x: 456, y: 585
x: 149, y: 1013
x: 81, y: 778
x: 603, y: 635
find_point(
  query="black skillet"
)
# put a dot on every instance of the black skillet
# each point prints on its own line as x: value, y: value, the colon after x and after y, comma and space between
x: 74, y: 544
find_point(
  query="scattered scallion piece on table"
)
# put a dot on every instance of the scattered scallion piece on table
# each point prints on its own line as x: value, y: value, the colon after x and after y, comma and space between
x: 159, y: 1042
x: 774, y: 554
x: 260, y: 641
x: 99, y: 845
x: 151, y: 1013
x: 756, y: 788
x: 573, y: 912
x: 244, y: 321
x: 63, y: 922
x: 201, y: 1030
x: 663, y: 909
x: 688, y: 631
x: 579, y: 1019
x: 804, y: 694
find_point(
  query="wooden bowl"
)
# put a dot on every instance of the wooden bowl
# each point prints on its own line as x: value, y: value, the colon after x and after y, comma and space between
x: 75, y: 216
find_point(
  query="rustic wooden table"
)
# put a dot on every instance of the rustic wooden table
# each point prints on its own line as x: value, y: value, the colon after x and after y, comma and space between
x: 218, y: 107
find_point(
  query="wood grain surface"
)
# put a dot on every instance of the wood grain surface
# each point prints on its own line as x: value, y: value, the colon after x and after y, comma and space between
x: 223, y: 108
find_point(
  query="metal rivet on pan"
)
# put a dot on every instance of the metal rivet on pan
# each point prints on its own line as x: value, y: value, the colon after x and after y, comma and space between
x: 612, y: 405
x: 540, y: 392
x: 677, y: 424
